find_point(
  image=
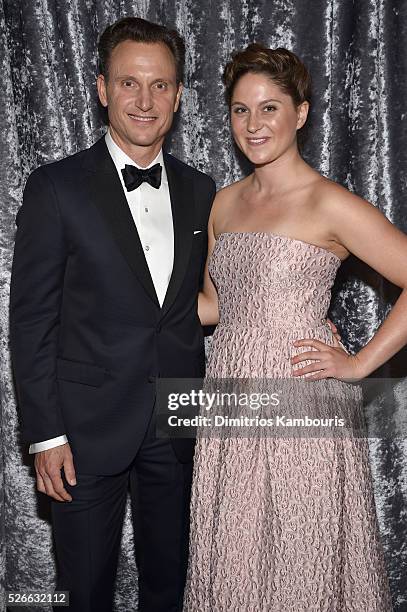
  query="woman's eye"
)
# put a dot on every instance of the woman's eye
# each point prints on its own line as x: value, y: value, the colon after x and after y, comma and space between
x: 239, y: 110
x: 270, y: 108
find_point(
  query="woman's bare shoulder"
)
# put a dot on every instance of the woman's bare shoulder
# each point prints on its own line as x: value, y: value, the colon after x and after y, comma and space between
x: 225, y: 201
x: 232, y: 191
x: 328, y: 193
x: 343, y: 213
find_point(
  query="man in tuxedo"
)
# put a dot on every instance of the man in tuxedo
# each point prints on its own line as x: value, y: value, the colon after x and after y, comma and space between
x: 109, y: 256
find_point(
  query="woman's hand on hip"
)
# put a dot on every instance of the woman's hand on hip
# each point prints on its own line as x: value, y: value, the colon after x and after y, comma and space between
x: 327, y: 362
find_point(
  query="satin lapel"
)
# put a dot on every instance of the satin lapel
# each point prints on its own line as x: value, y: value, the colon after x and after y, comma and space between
x: 107, y: 194
x: 182, y: 206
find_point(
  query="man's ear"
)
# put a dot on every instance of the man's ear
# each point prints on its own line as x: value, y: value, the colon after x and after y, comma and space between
x: 302, y: 114
x: 178, y: 97
x: 101, y: 86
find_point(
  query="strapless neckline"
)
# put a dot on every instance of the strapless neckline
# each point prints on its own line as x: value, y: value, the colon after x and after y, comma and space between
x: 282, y: 236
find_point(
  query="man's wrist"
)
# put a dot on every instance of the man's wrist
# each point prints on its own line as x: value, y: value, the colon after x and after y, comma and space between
x: 37, y: 447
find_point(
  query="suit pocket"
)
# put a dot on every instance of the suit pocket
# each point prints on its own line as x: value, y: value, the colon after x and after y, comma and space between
x: 79, y: 372
x: 199, y: 242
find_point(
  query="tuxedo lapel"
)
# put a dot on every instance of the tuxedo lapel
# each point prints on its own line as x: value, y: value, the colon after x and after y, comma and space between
x: 107, y: 194
x: 182, y: 206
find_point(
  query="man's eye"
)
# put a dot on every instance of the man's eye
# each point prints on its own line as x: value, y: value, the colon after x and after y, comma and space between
x: 161, y: 85
x: 128, y: 83
x: 269, y: 108
x: 239, y: 110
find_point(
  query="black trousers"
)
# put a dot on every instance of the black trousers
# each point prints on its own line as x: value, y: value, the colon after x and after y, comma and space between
x: 87, y: 531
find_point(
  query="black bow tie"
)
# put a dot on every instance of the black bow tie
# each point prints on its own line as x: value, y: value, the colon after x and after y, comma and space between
x: 133, y: 176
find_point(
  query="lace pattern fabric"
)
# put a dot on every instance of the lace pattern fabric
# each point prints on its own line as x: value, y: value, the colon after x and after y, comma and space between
x: 279, y: 524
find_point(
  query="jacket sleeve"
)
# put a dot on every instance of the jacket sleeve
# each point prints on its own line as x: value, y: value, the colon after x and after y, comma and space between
x: 40, y: 257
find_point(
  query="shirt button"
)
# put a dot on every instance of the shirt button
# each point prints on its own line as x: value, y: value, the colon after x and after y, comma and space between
x: 147, y: 248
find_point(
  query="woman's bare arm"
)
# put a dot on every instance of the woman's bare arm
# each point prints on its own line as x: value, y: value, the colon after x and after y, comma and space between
x: 364, y: 231
x: 208, y: 311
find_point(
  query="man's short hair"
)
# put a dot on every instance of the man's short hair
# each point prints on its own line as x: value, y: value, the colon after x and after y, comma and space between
x: 140, y: 30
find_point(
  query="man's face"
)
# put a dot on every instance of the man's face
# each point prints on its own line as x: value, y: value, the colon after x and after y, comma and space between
x: 141, y: 94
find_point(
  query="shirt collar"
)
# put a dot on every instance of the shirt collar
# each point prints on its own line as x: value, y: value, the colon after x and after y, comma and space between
x: 120, y: 158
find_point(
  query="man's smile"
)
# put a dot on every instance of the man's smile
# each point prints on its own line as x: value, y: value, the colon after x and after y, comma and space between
x: 142, y: 118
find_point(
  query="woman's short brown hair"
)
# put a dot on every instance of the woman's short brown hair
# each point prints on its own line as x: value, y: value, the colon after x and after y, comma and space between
x: 283, y: 67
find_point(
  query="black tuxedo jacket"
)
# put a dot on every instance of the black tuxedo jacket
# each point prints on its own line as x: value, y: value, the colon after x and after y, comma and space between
x: 88, y: 336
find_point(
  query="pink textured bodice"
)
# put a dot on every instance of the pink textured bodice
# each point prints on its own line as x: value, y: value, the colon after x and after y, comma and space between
x: 272, y: 290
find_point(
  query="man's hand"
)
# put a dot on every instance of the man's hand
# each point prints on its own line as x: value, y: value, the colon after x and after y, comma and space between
x: 48, y: 465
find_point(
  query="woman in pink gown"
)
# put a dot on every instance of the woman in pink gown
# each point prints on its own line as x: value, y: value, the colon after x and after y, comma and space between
x: 286, y: 524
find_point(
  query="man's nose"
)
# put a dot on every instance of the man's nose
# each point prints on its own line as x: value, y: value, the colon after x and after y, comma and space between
x: 144, y: 100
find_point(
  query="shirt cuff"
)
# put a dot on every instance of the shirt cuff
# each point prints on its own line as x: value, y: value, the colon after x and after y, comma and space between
x: 47, y: 444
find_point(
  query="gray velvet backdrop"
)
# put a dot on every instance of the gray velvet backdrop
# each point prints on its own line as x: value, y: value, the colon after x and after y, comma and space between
x: 356, y: 51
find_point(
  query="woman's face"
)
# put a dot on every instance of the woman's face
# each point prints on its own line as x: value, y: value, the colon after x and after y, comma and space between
x: 264, y: 119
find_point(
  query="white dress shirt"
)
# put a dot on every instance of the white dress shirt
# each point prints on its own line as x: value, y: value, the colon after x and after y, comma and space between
x: 152, y: 215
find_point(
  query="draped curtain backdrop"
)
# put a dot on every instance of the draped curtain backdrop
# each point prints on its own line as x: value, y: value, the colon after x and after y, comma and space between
x: 356, y: 51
